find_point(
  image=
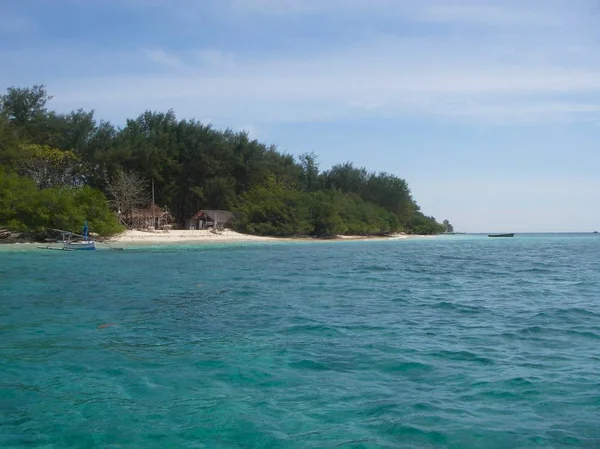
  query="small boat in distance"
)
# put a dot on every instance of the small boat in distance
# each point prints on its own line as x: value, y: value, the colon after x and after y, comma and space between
x: 501, y: 235
x: 88, y: 245
x: 67, y: 244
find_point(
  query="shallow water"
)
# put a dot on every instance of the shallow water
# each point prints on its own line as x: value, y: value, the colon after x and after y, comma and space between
x: 458, y: 341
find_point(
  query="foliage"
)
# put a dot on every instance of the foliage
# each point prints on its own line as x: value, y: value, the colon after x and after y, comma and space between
x: 50, y: 167
x: 309, y: 180
x: 423, y: 225
x: 448, y: 226
x: 9, y: 143
x: 194, y: 166
x: 26, y: 208
x: 272, y: 209
x: 24, y: 107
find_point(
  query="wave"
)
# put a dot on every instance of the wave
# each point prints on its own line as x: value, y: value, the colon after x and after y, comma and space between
x: 373, y: 268
x: 464, y: 356
x: 461, y: 308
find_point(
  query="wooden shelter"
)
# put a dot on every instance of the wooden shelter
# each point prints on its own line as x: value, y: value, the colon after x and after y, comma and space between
x: 153, y: 217
x: 204, y: 219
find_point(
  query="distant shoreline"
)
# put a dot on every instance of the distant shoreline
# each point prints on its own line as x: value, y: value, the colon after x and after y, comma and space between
x: 133, y: 238
x: 225, y: 236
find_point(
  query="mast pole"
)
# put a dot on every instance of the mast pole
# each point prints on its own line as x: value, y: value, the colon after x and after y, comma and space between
x: 153, y: 218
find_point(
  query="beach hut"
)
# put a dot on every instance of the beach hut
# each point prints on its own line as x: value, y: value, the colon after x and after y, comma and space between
x: 204, y: 219
x: 153, y: 217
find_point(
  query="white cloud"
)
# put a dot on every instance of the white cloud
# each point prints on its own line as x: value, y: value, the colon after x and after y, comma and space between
x: 489, y: 12
x: 163, y: 58
x: 493, y: 12
x: 540, y: 65
x: 215, y: 59
x: 394, y: 81
x: 253, y: 131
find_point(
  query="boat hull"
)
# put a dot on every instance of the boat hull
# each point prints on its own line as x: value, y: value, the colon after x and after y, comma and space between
x: 501, y: 235
x: 81, y: 246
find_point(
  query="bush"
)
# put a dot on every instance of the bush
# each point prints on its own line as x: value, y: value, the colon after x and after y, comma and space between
x: 24, y: 208
x: 276, y: 211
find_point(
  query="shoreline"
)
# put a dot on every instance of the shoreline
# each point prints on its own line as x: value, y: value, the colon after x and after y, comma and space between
x: 225, y: 236
x: 182, y: 236
x: 132, y: 239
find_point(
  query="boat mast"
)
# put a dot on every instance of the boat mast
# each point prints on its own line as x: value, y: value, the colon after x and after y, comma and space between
x: 153, y: 218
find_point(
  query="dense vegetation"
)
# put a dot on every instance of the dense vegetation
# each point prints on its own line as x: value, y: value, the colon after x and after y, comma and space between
x: 26, y: 208
x: 58, y: 169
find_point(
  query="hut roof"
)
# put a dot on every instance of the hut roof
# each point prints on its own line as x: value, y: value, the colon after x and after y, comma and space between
x: 214, y: 215
x: 155, y: 210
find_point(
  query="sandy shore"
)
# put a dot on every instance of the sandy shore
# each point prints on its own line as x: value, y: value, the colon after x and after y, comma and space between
x: 180, y: 236
x: 174, y: 237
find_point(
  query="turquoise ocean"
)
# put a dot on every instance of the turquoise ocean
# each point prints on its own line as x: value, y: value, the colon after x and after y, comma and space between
x: 456, y: 341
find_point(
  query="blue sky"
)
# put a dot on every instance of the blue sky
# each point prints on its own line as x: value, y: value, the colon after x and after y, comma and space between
x: 489, y: 109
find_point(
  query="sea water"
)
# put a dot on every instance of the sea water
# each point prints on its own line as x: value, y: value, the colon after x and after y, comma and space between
x: 458, y: 341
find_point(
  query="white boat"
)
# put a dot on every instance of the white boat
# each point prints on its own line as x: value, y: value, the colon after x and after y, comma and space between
x: 66, y: 244
x: 88, y: 245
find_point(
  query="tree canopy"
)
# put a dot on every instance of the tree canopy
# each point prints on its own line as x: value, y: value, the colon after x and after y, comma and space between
x: 192, y: 167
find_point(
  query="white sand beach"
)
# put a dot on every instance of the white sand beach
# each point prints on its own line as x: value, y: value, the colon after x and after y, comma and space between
x: 179, y: 236
x: 362, y: 237
x: 224, y: 236
x: 142, y: 238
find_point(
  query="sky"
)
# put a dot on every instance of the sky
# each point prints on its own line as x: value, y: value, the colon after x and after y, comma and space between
x: 489, y: 109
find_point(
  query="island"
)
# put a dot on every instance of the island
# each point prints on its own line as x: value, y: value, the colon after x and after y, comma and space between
x: 157, y: 172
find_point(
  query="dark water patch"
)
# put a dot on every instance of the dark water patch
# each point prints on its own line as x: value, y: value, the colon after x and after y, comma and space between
x: 461, y: 308
x: 360, y: 443
x: 361, y: 328
x: 311, y: 365
x: 405, y: 291
x: 519, y: 382
x: 552, y: 332
x: 535, y: 271
x: 502, y: 395
x: 463, y: 356
x: 372, y: 268
x: 405, y: 434
x: 594, y: 335
x: 576, y: 313
x: 407, y: 368
x: 534, y: 330
x: 311, y: 330
x: 419, y: 269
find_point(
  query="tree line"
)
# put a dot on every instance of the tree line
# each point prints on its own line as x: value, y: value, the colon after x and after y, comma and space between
x: 57, y: 169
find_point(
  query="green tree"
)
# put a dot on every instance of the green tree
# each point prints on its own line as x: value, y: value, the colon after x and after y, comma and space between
x: 346, y: 178
x: 423, y: 225
x: 309, y: 180
x: 449, y: 227
x: 26, y: 208
x: 9, y: 143
x: 193, y: 166
x: 24, y: 106
x: 49, y: 167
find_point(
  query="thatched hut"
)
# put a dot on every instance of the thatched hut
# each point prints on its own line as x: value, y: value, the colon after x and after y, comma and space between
x: 153, y: 217
x: 204, y: 219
